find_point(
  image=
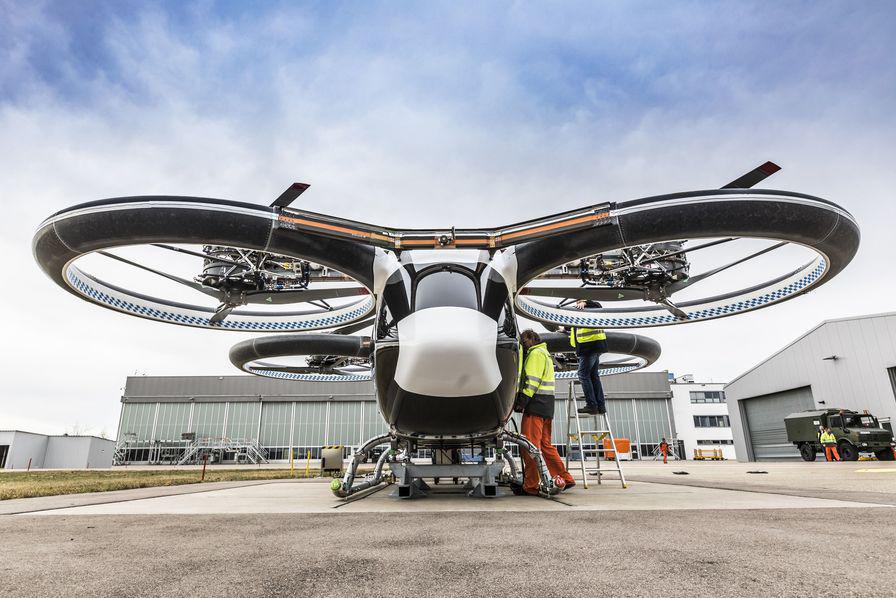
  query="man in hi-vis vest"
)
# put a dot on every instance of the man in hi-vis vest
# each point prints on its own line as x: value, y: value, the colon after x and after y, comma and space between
x: 589, y: 344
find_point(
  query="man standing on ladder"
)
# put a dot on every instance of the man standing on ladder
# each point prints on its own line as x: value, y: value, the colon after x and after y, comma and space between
x: 590, y: 343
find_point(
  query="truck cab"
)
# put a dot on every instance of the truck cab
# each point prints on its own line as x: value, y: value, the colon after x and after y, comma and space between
x: 855, y: 432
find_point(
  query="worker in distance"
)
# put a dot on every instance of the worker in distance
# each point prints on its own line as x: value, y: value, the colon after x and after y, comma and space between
x: 535, y: 400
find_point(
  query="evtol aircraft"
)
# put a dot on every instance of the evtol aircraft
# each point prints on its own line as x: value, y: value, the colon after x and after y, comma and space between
x: 443, y: 306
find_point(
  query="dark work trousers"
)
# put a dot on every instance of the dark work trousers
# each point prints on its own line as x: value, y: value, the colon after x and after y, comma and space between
x: 589, y: 376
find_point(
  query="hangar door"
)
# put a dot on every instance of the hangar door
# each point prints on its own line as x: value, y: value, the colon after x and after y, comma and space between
x: 765, y: 422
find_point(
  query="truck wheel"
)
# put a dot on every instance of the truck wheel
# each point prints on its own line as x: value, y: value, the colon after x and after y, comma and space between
x: 848, y: 452
x: 884, y: 455
x: 807, y: 452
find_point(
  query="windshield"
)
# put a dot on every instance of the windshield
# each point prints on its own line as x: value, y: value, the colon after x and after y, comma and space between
x: 446, y: 288
x: 859, y: 421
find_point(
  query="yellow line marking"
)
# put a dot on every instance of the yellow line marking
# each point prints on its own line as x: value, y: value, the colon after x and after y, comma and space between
x: 882, y: 470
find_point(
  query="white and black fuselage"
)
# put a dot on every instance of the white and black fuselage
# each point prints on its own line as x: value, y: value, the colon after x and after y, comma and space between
x: 446, y: 356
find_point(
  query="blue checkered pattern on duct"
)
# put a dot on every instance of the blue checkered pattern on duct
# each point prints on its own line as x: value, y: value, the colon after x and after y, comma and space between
x: 703, y: 314
x: 99, y: 296
x: 574, y: 375
x: 313, y: 377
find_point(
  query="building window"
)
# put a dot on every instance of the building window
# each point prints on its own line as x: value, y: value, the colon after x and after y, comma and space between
x: 714, y: 442
x: 711, y: 421
x: 708, y: 396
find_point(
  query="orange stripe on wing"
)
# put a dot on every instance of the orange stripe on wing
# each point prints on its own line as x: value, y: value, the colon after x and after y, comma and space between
x: 555, y: 225
x: 332, y: 227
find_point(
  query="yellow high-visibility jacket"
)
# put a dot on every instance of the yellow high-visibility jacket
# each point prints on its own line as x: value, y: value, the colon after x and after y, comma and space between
x: 583, y: 336
x: 828, y: 438
x: 537, y: 382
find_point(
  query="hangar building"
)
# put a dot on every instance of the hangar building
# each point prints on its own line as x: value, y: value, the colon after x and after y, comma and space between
x: 845, y: 363
x: 250, y: 418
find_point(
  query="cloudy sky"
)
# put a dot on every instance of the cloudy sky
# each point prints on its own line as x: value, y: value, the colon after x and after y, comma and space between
x: 437, y: 114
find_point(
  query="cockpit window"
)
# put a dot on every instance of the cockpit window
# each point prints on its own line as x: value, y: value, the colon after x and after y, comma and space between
x: 445, y: 288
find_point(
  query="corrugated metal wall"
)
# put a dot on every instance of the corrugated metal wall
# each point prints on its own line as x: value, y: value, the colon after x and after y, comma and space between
x: 865, y: 347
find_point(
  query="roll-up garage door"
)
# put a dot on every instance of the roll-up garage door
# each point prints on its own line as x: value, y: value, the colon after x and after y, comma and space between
x: 765, y: 422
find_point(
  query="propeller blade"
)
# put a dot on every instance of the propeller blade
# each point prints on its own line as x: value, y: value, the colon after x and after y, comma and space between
x: 290, y: 195
x: 189, y: 283
x: 222, y: 312
x: 303, y: 296
x: 595, y: 293
x: 677, y: 286
x: 673, y: 309
x: 354, y: 326
x: 198, y: 254
x: 754, y: 177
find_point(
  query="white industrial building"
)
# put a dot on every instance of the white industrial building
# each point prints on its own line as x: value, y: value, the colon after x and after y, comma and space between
x: 701, y: 417
x: 24, y: 450
x: 847, y: 363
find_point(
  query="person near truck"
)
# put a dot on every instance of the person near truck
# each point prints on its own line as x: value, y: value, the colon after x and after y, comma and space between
x: 589, y: 344
x: 829, y: 442
x: 536, y: 402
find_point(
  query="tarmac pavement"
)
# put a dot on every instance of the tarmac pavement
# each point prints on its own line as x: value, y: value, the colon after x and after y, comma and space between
x: 763, y: 534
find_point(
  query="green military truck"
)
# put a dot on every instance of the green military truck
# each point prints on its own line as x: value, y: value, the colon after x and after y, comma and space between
x: 856, y: 433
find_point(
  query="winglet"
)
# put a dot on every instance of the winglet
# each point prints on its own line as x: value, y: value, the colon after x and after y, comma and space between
x: 754, y: 177
x: 290, y: 195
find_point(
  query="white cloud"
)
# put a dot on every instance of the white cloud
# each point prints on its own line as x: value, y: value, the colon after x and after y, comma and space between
x: 446, y: 119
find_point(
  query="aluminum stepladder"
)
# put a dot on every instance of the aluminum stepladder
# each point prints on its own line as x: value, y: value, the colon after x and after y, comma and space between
x: 602, y: 429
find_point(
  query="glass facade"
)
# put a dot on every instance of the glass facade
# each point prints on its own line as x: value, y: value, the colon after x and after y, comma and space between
x: 137, y: 421
x: 275, y: 424
x: 308, y: 425
x: 172, y: 421
x: 242, y: 420
x: 208, y: 419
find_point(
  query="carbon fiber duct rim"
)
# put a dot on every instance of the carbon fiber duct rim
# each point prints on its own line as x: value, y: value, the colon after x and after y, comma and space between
x: 818, y: 224
x: 247, y: 355
x: 77, y: 231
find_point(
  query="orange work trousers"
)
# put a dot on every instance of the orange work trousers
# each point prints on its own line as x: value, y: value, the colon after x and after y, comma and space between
x: 665, y: 452
x: 830, y: 452
x: 538, y: 430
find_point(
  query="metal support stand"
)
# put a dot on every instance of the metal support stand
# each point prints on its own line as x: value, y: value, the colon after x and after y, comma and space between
x: 601, y: 430
x: 483, y: 477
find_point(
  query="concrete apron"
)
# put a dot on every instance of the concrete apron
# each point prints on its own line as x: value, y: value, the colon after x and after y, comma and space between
x: 314, y: 496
